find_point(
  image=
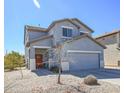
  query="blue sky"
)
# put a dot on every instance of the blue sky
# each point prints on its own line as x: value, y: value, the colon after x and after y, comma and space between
x: 100, y: 15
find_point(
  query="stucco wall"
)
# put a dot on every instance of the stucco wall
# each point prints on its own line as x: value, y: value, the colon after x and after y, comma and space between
x: 45, y: 42
x: 26, y: 36
x: 84, y: 44
x: 26, y: 52
x: 82, y: 28
x: 32, y: 53
x: 111, y: 55
x: 57, y: 30
x: 34, y: 35
x: 27, y: 56
x: 32, y: 64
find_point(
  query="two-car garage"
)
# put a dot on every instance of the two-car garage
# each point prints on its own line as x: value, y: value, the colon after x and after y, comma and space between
x: 83, y: 53
x: 80, y: 60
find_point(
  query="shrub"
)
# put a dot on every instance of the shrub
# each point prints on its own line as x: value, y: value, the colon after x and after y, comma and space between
x: 54, y: 69
x: 90, y: 80
x: 13, y: 60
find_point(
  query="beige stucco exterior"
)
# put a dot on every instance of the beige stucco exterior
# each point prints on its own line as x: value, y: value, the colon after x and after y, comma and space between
x: 84, y: 44
x: 112, y: 52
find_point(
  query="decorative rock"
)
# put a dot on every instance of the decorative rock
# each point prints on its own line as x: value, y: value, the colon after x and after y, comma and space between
x: 90, y: 80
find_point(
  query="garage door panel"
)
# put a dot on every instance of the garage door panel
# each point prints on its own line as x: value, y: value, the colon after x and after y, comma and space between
x: 80, y: 61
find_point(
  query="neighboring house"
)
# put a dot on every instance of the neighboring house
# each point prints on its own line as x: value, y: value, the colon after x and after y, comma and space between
x: 112, y: 52
x: 79, y: 50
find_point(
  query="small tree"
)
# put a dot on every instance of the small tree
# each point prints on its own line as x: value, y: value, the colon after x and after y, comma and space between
x: 59, y: 47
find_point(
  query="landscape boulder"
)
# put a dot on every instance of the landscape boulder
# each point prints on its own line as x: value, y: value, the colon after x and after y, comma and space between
x: 90, y: 80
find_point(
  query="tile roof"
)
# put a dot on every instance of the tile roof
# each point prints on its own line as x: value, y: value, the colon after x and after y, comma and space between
x: 108, y: 34
x: 35, y: 28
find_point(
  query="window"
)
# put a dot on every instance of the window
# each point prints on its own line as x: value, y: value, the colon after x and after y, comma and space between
x: 67, y: 32
x: 81, y: 33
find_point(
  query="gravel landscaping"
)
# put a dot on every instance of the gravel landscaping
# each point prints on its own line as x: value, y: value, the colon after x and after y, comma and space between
x: 31, y: 83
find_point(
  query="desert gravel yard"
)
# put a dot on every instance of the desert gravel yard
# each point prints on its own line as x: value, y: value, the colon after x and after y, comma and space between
x: 44, y: 81
x: 107, y: 75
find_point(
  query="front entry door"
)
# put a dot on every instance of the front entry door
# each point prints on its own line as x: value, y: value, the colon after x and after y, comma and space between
x: 39, y: 62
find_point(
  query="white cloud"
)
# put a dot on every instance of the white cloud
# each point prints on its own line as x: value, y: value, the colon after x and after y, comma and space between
x: 37, y: 4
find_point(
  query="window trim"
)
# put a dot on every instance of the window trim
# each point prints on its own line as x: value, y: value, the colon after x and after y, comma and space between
x: 68, y: 32
x: 68, y: 27
x: 83, y: 32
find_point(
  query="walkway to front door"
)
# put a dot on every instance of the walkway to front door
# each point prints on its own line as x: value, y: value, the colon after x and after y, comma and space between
x: 39, y: 60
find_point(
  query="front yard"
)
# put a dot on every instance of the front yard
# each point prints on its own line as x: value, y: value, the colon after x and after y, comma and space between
x: 43, y: 81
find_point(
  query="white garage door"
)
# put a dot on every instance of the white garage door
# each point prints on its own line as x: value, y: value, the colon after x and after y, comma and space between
x: 79, y: 61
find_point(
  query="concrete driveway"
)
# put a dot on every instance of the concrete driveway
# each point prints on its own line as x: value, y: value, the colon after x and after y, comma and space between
x: 109, y: 75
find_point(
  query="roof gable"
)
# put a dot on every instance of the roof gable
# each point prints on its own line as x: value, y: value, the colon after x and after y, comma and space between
x: 71, y: 21
x: 83, y: 36
x: 81, y: 23
x: 29, y: 28
x: 62, y: 20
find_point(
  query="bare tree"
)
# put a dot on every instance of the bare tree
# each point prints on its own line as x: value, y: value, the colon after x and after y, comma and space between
x: 59, y: 47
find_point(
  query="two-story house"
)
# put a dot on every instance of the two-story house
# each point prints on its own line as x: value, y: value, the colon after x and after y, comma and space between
x: 112, y: 52
x: 69, y: 39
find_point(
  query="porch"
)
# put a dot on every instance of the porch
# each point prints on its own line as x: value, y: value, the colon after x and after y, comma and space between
x: 41, y: 57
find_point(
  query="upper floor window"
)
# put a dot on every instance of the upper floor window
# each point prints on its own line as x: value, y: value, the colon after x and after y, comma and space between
x: 67, y: 32
x: 83, y: 32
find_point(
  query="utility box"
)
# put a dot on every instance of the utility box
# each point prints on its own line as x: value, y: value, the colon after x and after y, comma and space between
x: 65, y: 66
